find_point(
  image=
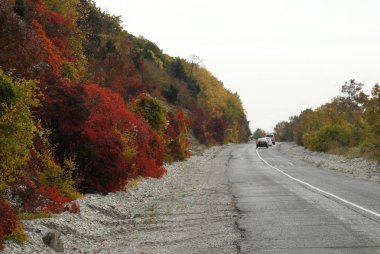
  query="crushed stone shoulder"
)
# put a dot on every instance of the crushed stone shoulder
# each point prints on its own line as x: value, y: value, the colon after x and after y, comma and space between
x: 189, y: 210
x: 357, y: 167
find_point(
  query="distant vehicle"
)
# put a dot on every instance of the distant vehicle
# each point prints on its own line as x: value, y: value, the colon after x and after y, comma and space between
x: 273, y: 138
x: 262, y: 142
x: 270, y: 143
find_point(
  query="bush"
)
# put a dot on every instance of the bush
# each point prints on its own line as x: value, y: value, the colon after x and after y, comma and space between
x: 8, y: 221
x: 16, y: 125
x: 40, y: 198
x: 326, y: 138
x: 150, y: 147
x: 176, y: 140
x: 152, y: 110
x: 18, y: 235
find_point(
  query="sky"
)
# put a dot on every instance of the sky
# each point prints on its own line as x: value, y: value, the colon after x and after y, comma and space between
x: 280, y: 56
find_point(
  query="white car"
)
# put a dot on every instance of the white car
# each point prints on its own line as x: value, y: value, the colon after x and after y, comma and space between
x: 270, y: 143
x: 273, y: 138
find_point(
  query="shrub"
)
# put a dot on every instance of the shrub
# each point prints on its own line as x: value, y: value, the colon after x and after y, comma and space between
x: 177, y: 142
x: 150, y: 147
x: 40, y: 198
x: 16, y: 125
x: 94, y: 126
x: 152, y: 110
x: 8, y: 221
x: 326, y: 138
x: 18, y: 235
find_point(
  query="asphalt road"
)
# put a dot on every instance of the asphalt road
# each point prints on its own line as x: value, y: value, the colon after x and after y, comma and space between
x: 288, y: 206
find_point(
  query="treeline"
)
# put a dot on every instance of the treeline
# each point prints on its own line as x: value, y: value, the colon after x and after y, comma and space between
x: 86, y: 107
x: 348, y: 125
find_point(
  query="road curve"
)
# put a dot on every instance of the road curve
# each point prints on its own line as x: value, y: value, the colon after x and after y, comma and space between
x: 280, y: 214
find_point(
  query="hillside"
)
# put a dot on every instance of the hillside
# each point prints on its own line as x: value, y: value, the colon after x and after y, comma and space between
x: 87, y: 107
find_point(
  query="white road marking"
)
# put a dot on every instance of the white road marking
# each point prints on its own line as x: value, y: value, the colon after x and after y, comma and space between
x: 320, y: 190
x: 291, y: 164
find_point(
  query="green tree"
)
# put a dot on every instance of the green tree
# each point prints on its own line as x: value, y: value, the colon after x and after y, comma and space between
x: 258, y: 133
x: 152, y: 110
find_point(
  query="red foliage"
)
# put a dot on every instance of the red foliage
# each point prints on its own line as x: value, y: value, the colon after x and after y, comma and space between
x: 8, y: 221
x: 55, y: 26
x: 35, y: 197
x: 150, y: 151
x: 20, y: 48
x: 177, y: 142
x: 107, y: 169
x: 207, y: 128
x: 198, y: 122
x: 88, y: 123
x: 53, y: 58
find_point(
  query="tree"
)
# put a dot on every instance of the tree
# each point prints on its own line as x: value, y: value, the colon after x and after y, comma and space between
x: 351, y: 97
x: 176, y: 69
x: 21, y: 48
x: 194, y: 61
x: 258, y: 133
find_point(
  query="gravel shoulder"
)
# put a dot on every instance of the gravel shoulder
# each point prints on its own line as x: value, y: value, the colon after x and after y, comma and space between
x: 189, y: 210
x: 357, y: 167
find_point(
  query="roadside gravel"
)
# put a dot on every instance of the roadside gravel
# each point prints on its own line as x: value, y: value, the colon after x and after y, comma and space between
x: 357, y: 167
x: 189, y: 210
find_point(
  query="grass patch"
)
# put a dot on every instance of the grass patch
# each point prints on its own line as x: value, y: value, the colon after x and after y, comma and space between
x: 134, y: 182
x: 348, y: 152
x: 36, y: 215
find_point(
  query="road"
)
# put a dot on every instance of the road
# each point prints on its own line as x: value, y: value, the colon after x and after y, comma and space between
x: 288, y: 206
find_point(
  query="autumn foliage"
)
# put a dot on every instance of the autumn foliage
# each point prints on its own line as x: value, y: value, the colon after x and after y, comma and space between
x: 86, y: 107
x: 8, y: 221
x: 177, y: 141
x: 39, y: 198
x: 347, y: 125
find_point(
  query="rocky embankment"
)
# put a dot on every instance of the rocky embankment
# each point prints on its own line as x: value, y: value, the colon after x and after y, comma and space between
x: 189, y: 210
x: 357, y: 167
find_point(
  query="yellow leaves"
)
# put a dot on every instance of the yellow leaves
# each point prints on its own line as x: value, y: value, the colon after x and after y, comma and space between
x: 16, y: 124
x: 7, y: 114
x: 156, y: 59
x: 18, y: 234
x: 129, y: 147
x: 52, y: 174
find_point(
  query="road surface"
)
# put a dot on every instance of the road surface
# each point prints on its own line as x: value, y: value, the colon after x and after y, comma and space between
x: 288, y: 206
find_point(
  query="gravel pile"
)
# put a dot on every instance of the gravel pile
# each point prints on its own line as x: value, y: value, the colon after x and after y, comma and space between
x: 189, y: 210
x: 357, y: 167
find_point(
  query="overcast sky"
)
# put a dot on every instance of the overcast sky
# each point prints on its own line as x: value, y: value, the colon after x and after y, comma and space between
x: 280, y: 56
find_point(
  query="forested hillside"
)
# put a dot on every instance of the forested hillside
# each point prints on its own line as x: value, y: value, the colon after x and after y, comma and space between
x: 348, y: 125
x: 87, y: 107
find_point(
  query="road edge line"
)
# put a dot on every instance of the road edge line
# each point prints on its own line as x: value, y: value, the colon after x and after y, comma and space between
x: 320, y: 190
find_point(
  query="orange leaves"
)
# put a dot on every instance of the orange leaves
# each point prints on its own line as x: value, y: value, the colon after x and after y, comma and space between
x: 52, y: 57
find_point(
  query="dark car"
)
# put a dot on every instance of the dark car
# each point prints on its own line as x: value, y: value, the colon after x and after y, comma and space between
x: 262, y: 142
